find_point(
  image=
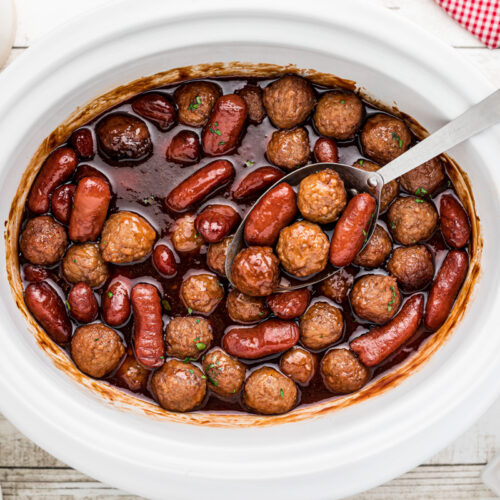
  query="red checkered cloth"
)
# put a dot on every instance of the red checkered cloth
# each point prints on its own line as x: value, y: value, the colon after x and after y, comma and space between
x: 480, y: 17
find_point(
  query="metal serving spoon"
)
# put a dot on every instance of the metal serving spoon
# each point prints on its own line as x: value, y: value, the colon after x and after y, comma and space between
x: 476, y: 119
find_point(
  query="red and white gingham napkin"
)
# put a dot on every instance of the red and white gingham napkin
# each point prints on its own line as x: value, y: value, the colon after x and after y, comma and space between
x: 480, y: 17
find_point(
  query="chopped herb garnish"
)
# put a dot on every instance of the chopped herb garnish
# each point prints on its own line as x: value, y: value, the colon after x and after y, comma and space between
x: 398, y: 139
x: 198, y: 99
x: 74, y: 260
x: 361, y: 162
x: 96, y: 339
x: 166, y: 305
x: 203, y: 377
x: 190, y: 311
x: 421, y: 191
x: 148, y: 201
x: 162, y: 357
x: 342, y: 102
x: 221, y: 143
x: 393, y: 225
x: 194, y: 103
x: 191, y: 370
x: 249, y: 163
x: 200, y: 346
x: 198, y: 320
x: 187, y: 359
x: 213, y: 381
x: 234, y: 391
x: 110, y: 294
x: 364, y: 232
x: 418, y: 200
x: 68, y: 306
x: 282, y: 394
x: 197, y: 235
x: 391, y: 302
x: 214, y: 130
x: 211, y: 365
x: 261, y: 314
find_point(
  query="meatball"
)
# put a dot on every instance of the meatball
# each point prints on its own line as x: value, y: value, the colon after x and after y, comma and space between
x: 303, y: 248
x: 43, y: 241
x: 195, y: 101
x: 289, y: 100
x: 337, y: 287
x: 84, y: 263
x: 255, y: 271
x: 377, y: 249
x: 252, y: 95
x: 179, y: 386
x: 188, y: 337
x: 424, y: 179
x: 185, y: 238
x: 376, y: 298
x: 96, y: 349
x: 122, y: 136
x: 243, y: 308
x: 338, y: 114
x: 389, y: 190
x: 299, y: 364
x: 321, y: 325
x: 322, y: 197
x: 126, y: 237
x: 289, y: 149
x: 269, y: 392
x: 384, y: 138
x: 201, y: 293
x: 342, y: 372
x: 412, y: 219
x: 225, y: 374
x: 412, y: 266
x: 216, y: 256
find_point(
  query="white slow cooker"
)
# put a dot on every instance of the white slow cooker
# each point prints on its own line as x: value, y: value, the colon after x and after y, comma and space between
x: 334, y: 453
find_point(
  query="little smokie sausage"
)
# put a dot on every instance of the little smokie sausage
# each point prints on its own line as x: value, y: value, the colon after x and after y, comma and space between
x: 256, y: 182
x: 90, y: 207
x: 203, y: 182
x: 59, y: 165
x: 445, y: 288
x: 148, y: 327
x: 62, y: 199
x: 164, y: 260
x: 215, y: 222
x: 35, y: 274
x: 223, y: 129
x: 454, y: 222
x: 82, y: 303
x: 116, y: 302
x: 326, y: 150
x: 373, y: 347
x: 351, y: 229
x: 289, y: 305
x: 270, y: 337
x: 48, y: 309
x: 270, y: 215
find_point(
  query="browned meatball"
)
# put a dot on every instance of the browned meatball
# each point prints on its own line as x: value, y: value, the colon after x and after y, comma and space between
x: 321, y: 325
x: 322, y: 197
x: 269, y: 392
x: 243, y: 308
x: 337, y: 287
x: 303, y: 248
x: 389, y: 190
x: 377, y: 249
x: 412, y: 266
x: 123, y: 136
x: 376, y: 298
x: 412, y: 219
x: 289, y: 100
x: 338, y: 114
x: 126, y: 237
x: 185, y: 237
x: 289, y: 149
x: 255, y: 271
x: 216, y: 255
x: 201, y: 293
x: 299, y: 364
x: 96, y: 349
x: 188, y: 337
x: 179, y: 386
x: 225, y: 374
x: 425, y: 178
x: 195, y: 101
x: 384, y: 138
x: 342, y: 372
x: 252, y: 94
x: 43, y: 241
x: 84, y: 263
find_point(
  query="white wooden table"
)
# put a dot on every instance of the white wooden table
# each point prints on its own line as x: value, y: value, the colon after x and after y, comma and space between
x: 26, y: 471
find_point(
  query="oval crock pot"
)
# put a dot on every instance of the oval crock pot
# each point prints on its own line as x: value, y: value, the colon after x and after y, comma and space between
x: 342, y: 452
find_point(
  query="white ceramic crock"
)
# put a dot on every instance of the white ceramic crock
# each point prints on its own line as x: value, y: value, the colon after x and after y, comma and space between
x: 343, y: 452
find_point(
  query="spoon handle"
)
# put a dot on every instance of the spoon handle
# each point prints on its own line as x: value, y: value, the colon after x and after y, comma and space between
x: 476, y: 119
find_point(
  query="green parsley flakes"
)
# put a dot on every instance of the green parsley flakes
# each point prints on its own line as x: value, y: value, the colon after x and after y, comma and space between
x: 249, y: 163
x: 201, y: 346
x: 110, y: 294
x: 190, y: 311
x: 282, y: 394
